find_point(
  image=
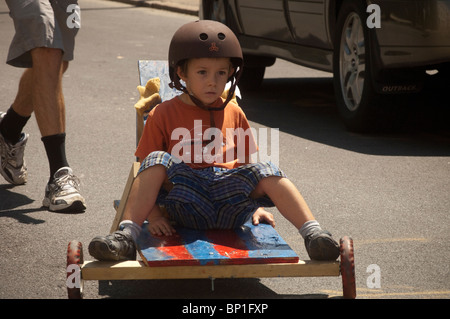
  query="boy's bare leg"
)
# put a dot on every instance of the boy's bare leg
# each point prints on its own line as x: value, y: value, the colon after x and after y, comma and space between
x: 286, y: 198
x: 120, y: 245
x: 291, y: 204
x: 143, y: 193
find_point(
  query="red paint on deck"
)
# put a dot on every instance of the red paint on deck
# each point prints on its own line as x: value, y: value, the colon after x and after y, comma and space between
x: 249, y: 245
x: 174, y: 247
x: 227, y: 243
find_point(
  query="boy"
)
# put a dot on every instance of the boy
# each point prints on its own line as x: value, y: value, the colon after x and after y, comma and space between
x: 192, y: 166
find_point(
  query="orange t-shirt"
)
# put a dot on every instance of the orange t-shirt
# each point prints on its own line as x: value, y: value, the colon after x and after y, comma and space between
x: 184, y: 131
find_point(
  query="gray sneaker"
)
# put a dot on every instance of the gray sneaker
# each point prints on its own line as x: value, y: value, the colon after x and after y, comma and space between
x: 321, y: 246
x: 63, y: 195
x: 116, y: 246
x: 12, y: 162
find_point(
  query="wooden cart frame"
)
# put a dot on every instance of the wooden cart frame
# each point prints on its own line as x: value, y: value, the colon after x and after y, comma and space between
x: 79, y: 270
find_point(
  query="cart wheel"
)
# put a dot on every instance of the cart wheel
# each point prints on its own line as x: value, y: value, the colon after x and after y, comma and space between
x: 348, y: 268
x: 74, y: 261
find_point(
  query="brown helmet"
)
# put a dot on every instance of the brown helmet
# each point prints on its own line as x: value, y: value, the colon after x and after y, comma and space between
x: 204, y: 39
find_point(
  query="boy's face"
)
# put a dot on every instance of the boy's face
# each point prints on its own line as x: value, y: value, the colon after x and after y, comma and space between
x: 206, y: 78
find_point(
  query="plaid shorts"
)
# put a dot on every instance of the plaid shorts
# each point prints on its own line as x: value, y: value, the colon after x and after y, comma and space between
x: 212, y: 197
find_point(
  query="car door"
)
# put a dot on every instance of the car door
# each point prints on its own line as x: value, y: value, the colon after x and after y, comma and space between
x: 308, y: 20
x: 265, y: 19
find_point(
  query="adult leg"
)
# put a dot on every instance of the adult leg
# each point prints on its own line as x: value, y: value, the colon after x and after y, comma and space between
x: 12, y: 140
x: 47, y: 94
x: 23, y: 103
x: 40, y: 88
x: 41, y: 43
x: 48, y: 104
x: 40, y: 85
x: 62, y: 191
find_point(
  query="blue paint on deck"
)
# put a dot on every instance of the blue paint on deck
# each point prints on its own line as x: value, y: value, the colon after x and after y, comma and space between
x: 246, y: 245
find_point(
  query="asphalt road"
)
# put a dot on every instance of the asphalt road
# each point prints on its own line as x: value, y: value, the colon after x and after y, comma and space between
x: 389, y: 191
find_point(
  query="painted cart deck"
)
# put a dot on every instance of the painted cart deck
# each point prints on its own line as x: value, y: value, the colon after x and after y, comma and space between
x: 247, y: 252
x: 248, y: 244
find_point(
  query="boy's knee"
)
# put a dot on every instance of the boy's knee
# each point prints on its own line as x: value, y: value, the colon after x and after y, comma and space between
x: 157, y: 174
x: 263, y: 185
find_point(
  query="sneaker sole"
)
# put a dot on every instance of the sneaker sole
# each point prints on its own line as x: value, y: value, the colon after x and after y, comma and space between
x: 10, y: 179
x: 77, y: 206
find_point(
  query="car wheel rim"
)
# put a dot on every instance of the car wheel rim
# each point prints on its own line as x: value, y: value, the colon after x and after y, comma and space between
x: 352, y: 61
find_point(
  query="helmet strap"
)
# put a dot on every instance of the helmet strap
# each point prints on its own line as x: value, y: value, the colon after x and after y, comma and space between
x: 177, y: 85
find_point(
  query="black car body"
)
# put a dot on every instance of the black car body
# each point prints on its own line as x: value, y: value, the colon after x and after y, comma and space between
x: 373, y: 47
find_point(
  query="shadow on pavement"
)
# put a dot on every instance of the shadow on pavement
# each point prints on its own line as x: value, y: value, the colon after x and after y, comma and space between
x: 305, y: 107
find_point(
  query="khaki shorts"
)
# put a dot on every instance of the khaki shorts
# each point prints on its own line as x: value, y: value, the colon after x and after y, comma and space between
x: 41, y: 23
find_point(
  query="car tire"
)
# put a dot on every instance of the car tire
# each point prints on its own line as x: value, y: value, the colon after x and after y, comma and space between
x: 253, y: 72
x: 352, y: 69
x: 252, y: 78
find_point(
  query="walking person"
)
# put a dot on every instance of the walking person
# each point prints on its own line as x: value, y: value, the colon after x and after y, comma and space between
x: 43, y: 44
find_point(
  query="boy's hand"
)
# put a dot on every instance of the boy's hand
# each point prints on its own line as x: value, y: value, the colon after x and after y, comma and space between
x: 263, y: 216
x: 161, y: 226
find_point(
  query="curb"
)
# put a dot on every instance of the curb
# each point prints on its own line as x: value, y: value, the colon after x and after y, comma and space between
x: 164, y: 5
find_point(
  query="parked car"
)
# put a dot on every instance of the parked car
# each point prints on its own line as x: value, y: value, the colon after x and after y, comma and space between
x: 373, y: 48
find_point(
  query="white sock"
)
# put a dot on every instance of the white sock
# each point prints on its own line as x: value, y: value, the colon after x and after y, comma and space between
x: 309, y: 227
x: 131, y: 228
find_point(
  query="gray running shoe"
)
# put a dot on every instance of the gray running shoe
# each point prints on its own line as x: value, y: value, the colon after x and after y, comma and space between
x: 12, y: 163
x: 321, y: 246
x: 116, y: 246
x: 63, y: 195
